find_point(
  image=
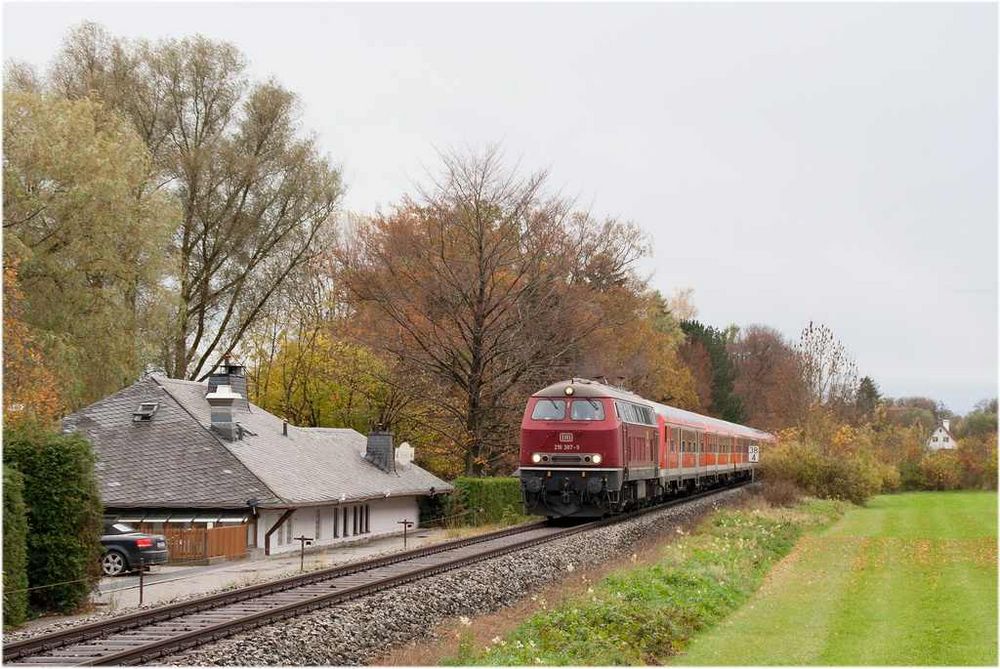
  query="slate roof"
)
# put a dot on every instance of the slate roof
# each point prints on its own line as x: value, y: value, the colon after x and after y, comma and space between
x: 177, y: 459
x: 310, y: 465
x: 169, y: 461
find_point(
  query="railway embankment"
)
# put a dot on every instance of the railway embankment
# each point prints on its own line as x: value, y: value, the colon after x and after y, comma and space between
x: 646, y: 614
x: 361, y: 631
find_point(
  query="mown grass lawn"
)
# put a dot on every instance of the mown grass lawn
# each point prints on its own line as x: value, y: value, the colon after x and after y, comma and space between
x: 909, y: 579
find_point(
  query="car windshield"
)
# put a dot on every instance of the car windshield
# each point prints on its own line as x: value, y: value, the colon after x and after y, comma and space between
x: 587, y: 410
x: 119, y: 528
x: 546, y: 409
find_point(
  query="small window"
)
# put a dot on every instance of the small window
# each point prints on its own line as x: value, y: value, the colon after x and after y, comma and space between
x: 587, y: 410
x: 934, y: 439
x: 145, y: 412
x: 944, y: 439
x: 319, y: 525
x: 546, y: 409
x: 288, y: 530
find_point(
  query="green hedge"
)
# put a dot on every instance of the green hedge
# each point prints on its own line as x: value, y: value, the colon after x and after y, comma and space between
x: 499, y: 498
x: 64, y: 514
x: 15, y: 550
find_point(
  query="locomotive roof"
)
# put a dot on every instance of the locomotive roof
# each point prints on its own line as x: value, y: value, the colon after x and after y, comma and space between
x: 588, y: 388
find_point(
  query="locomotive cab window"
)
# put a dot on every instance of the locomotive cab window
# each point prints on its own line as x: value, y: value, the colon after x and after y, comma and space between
x: 546, y: 409
x: 587, y: 410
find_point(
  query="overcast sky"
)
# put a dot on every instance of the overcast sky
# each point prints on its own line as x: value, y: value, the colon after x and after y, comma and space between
x: 835, y: 163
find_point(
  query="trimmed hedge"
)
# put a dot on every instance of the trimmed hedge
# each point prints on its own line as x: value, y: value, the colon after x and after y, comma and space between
x: 499, y: 498
x: 15, y: 549
x: 63, y: 511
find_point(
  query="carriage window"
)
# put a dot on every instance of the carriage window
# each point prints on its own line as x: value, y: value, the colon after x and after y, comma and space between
x: 587, y: 410
x: 546, y: 409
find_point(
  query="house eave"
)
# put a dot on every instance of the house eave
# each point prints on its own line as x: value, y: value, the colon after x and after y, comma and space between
x: 422, y: 492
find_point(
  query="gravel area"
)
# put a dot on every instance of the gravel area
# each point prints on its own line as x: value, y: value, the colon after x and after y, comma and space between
x: 51, y: 624
x: 360, y: 631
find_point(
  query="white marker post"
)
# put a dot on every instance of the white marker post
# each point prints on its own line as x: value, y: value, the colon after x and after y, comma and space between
x: 753, y: 455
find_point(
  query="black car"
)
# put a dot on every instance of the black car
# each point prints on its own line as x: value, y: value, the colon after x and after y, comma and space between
x: 126, y: 549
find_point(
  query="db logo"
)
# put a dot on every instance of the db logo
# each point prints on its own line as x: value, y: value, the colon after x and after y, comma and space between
x: 565, y: 437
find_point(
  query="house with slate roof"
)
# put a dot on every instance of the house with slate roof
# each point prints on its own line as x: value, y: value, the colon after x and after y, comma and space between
x: 173, y: 453
x: 942, y: 437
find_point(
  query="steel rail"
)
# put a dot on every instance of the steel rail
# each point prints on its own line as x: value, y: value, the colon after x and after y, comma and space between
x: 97, y: 629
x: 31, y: 649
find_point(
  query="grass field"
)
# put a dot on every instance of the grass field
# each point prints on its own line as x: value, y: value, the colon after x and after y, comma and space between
x: 909, y: 579
x: 644, y: 614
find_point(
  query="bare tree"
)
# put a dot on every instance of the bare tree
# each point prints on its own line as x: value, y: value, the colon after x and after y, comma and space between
x: 829, y: 371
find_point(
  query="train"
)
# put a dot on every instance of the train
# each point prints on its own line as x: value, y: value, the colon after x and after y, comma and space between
x: 590, y: 450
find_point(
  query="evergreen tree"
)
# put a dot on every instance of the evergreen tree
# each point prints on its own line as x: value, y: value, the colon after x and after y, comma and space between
x: 868, y: 396
x: 725, y: 403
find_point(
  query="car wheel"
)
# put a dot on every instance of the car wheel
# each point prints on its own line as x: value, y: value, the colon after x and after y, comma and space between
x: 113, y: 563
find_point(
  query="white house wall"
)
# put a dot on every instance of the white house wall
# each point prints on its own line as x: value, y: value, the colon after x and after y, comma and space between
x: 937, y: 440
x: 384, y: 517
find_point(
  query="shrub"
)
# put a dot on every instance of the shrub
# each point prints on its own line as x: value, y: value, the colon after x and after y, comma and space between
x: 833, y: 476
x: 892, y: 480
x: 940, y: 471
x: 63, y: 512
x: 978, y: 457
x: 15, y: 550
x: 909, y: 475
x: 780, y: 492
x: 499, y: 498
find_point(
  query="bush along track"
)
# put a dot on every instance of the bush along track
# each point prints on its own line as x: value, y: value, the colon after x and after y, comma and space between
x: 644, y: 615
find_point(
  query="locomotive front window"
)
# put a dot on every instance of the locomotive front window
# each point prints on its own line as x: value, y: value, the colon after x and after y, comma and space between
x: 587, y: 410
x: 546, y: 409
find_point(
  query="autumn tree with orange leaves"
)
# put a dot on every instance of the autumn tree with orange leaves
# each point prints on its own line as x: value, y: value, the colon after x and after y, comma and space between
x: 769, y: 378
x: 489, y: 288
x: 31, y: 390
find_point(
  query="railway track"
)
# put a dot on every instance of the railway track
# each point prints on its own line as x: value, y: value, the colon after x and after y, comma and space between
x: 147, y: 635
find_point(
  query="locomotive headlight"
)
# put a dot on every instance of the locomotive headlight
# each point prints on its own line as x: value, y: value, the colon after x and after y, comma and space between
x: 597, y: 459
x: 536, y: 458
x: 569, y: 390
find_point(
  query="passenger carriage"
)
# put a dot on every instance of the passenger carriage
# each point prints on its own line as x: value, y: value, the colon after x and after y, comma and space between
x: 588, y: 449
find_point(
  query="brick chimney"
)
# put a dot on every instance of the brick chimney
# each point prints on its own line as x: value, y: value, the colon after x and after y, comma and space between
x: 379, y: 451
x: 232, y: 375
x: 223, y: 400
x: 947, y: 425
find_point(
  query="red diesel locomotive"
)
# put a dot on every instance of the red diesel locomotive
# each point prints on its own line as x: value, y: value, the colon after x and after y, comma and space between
x: 588, y: 449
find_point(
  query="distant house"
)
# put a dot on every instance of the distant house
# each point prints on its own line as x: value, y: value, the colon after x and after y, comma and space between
x: 941, y: 437
x: 175, y: 455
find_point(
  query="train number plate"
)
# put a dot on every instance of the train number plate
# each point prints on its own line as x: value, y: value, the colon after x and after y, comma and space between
x: 566, y: 437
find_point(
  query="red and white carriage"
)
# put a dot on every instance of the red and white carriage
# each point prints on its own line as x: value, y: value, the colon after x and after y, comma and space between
x: 588, y: 449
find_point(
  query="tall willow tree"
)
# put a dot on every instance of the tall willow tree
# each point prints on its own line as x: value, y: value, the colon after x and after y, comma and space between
x: 87, y: 240
x: 254, y: 194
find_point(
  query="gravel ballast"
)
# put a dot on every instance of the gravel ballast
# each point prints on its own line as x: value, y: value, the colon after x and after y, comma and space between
x: 360, y: 631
